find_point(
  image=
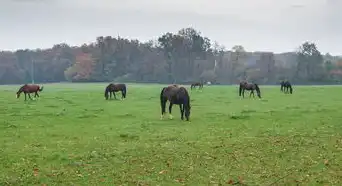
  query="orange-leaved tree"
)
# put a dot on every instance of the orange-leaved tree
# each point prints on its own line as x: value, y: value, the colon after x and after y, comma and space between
x: 82, y: 69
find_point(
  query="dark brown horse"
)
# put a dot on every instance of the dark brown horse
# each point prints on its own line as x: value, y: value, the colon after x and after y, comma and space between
x: 112, y: 88
x: 197, y: 84
x: 175, y: 95
x: 285, y: 86
x: 244, y: 85
x: 28, y: 89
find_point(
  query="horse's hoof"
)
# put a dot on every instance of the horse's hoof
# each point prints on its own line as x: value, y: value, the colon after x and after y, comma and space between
x: 170, y: 116
x: 161, y: 117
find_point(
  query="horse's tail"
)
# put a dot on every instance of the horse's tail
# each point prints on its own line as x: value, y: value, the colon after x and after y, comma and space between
x: 187, y: 101
x: 162, y: 101
x: 106, y: 92
x: 41, y: 88
x: 124, y: 90
x: 161, y: 95
x: 240, y: 90
x: 258, y: 90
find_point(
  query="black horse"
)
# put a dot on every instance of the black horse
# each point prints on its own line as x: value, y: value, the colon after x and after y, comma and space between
x: 112, y: 88
x: 285, y: 86
x: 244, y: 85
x: 197, y: 84
x: 175, y: 95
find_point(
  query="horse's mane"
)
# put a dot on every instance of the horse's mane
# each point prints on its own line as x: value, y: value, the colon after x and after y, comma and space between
x: 21, y: 88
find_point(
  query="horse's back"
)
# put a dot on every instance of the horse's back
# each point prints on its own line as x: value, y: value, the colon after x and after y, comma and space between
x: 175, y: 94
x: 120, y: 87
x: 116, y: 87
x: 169, y: 91
x: 30, y: 87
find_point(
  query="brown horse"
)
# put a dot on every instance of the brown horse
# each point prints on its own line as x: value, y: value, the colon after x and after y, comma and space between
x: 175, y: 95
x: 112, y: 88
x: 28, y: 89
x: 200, y: 85
x: 244, y: 85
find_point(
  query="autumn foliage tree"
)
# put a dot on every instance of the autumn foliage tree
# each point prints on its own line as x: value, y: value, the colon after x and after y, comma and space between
x: 82, y: 69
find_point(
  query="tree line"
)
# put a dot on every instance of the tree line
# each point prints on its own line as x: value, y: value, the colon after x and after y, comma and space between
x: 182, y: 57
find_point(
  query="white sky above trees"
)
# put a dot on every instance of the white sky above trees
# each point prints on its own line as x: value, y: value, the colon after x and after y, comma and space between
x: 262, y: 25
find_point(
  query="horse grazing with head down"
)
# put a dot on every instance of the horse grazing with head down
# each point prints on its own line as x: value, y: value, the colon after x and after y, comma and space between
x: 175, y: 95
x: 194, y: 85
x: 112, y: 88
x: 28, y: 89
x: 285, y: 86
x: 244, y: 85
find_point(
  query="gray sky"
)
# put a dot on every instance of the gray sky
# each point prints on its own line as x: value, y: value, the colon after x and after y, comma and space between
x: 258, y: 25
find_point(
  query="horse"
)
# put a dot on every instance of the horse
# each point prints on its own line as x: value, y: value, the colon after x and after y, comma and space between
x: 175, y: 95
x: 112, y: 88
x: 28, y: 89
x: 244, y: 85
x: 200, y: 85
x: 285, y: 86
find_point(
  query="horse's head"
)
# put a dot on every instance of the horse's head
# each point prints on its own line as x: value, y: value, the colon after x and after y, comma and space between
x: 20, y: 91
x: 258, y: 94
x: 18, y: 94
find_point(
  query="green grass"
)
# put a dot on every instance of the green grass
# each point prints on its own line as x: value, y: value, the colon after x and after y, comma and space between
x: 72, y: 136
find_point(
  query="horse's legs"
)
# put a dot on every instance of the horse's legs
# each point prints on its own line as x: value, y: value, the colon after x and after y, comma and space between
x: 181, y: 107
x: 29, y: 96
x: 243, y: 93
x: 122, y: 95
x: 170, y: 109
x: 250, y: 94
x: 25, y: 95
x: 36, y: 94
x: 114, y: 95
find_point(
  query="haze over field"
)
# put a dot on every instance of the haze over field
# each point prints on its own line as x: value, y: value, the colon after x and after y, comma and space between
x: 263, y: 25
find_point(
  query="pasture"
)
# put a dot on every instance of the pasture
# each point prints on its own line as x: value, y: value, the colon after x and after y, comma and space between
x: 72, y: 136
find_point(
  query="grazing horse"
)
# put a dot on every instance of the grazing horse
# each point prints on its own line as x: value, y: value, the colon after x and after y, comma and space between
x: 175, y: 95
x: 244, y: 85
x: 28, y: 89
x: 200, y: 85
x: 285, y: 86
x: 112, y: 88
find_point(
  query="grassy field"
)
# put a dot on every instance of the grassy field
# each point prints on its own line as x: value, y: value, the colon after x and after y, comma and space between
x: 72, y: 136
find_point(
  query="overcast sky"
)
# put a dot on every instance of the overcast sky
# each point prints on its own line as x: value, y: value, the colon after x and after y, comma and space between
x: 258, y: 25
